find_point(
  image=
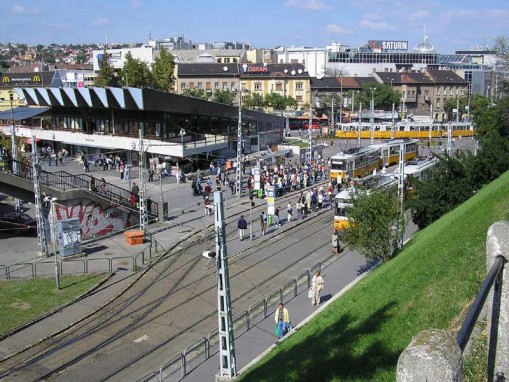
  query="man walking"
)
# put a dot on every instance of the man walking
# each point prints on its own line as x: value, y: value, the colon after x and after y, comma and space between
x: 282, y: 318
x: 242, y: 226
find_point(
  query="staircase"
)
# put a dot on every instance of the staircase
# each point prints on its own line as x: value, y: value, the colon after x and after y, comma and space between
x: 68, y: 183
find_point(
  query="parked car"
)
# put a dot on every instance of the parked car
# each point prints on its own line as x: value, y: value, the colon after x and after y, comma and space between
x: 18, y: 222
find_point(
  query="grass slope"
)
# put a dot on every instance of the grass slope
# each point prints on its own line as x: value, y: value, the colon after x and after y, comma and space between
x: 24, y: 300
x: 360, y: 336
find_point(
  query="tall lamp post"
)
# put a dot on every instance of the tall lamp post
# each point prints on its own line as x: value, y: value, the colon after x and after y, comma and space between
x: 54, y: 235
x: 372, y: 116
x: 341, y: 101
x: 310, y: 127
x: 393, y: 133
x: 239, y: 146
x: 14, y: 148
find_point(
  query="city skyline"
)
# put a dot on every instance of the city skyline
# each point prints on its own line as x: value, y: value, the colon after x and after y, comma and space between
x: 450, y: 25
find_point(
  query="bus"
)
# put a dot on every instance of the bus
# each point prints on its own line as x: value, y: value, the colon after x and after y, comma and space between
x: 420, y: 130
x: 360, y: 162
x: 302, y: 123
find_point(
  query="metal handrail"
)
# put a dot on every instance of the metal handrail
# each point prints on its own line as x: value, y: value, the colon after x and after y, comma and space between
x: 477, y: 306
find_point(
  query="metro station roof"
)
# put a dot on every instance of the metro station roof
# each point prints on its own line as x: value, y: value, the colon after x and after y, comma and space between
x: 21, y: 113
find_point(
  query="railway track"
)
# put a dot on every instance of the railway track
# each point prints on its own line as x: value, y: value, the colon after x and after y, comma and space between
x: 170, y: 307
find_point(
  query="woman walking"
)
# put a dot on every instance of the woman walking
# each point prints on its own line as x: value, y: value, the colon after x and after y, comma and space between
x: 335, y: 243
x: 316, y: 287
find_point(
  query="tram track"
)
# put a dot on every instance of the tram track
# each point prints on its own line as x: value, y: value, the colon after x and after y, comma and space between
x: 112, y: 319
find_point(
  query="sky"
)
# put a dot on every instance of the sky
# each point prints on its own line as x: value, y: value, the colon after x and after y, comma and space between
x: 449, y: 24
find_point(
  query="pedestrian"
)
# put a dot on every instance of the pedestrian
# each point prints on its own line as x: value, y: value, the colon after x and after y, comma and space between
x: 135, y: 189
x: 150, y: 175
x: 289, y: 212
x: 242, y: 226
x: 276, y: 218
x: 208, y: 206
x: 282, y: 319
x: 320, y: 200
x: 122, y: 169
x: 92, y: 184
x: 335, y: 243
x: 316, y: 286
x: 263, y: 222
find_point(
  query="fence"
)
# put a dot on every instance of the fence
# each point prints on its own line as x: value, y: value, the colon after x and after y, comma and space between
x: 434, y: 355
x: 179, y: 366
x: 68, y: 266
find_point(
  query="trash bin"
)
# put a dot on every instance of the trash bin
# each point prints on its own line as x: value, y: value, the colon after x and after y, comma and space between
x: 260, y: 194
x: 269, y: 220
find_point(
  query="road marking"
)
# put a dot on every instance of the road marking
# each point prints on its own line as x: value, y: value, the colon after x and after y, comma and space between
x: 141, y: 339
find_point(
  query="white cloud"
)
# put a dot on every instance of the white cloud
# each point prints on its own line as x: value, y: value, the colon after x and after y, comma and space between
x: 100, y: 21
x: 336, y: 29
x: 420, y: 14
x: 373, y: 21
x: 18, y: 9
x: 315, y: 5
x: 135, y: 4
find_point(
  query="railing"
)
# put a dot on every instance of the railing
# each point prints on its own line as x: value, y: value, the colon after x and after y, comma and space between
x: 65, y: 181
x: 46, y: 267
x: 178, y: 366
x: 434, y: 355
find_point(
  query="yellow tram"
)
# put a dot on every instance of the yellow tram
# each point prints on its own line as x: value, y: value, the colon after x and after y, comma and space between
x: 418, y: 130
x: 360, y: 162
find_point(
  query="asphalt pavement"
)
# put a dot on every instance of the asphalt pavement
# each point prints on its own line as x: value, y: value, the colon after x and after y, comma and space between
x: 186, y: 217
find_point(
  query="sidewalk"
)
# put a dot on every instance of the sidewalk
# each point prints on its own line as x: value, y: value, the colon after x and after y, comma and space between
x: 252, y: 345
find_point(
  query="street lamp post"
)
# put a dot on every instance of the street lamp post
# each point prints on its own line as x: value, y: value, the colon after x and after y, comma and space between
x: 310, y: 127
x: 14, y: 148
x: 332, y: 113
x: 239, y: 146
x: 372, y: 116
x: 360, y: 125
x: 341, y: 101
x: 54, y: 234
x: 393, y: 133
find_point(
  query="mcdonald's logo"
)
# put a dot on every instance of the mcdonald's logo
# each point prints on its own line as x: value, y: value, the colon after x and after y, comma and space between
x: 6, y: 79
x: 36, y: 78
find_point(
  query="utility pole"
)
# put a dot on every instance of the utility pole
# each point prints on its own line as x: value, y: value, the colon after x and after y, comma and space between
x: 457, y: 108
x: 360, y: 126
x: 333, y: 127
x: 42, y: 245
x: 54, y: 234
x: 449, y: 138
x: 310, y: 129
x: 239, y: 147
x: 372, y: 117
x: 14, y: 149
x: 227, y: 366
x: 393, y: 132
x: 401, y: 188
x: 142, y: 201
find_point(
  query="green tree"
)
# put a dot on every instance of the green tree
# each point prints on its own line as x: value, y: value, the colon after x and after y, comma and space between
x: 253, y: 101
x: 135, y: 73
x: 276, y: 101
x: 372, y: 218
x: 383, y: 95
x: 163, y: 71
x: 451, y: 104
x: 196, y: 93
x: 447, y: 188
x: 224, y: 96
x: 106, y: 75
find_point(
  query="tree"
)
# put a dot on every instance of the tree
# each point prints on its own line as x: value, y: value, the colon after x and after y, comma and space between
x: 224, y: 96
x: 274, y: 100
x: 372, y: 218
x: 447, y: 188
x: 253, y: 101
x: 135, y: 73
x: 163, y: 71
x: 196, y: 93
x: 106, y: 75
x: 451, y: 104
x: 502, y: 67
x: 383, y: 95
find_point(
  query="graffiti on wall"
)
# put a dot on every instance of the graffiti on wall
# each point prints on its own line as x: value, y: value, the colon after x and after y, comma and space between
x: 93, y: 219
